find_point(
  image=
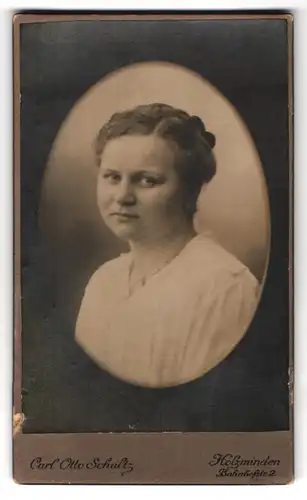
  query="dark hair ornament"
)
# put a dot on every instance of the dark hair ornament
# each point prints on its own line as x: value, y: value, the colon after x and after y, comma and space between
x: 198, y: 125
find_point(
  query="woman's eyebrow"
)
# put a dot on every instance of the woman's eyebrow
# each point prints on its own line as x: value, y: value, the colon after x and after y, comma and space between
x: 151, y: 173
x: 110, y: 170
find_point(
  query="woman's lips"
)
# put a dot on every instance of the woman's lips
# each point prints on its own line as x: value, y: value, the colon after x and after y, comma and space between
x: 124, y: 215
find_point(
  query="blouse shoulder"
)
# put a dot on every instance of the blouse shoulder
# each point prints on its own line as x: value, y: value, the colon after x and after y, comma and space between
x: 109, y: 271
x: 214, y: 263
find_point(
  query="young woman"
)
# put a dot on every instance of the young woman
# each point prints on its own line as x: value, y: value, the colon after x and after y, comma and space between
x: 177, y: 303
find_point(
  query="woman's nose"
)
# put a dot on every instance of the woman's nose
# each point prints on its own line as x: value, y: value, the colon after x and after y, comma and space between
x: 125, y: 194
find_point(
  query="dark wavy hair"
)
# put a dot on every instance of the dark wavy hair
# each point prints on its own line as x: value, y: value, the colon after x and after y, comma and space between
x: 195, y: 164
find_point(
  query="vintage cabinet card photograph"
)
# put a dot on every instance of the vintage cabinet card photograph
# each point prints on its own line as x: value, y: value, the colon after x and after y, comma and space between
x: 153, y: 178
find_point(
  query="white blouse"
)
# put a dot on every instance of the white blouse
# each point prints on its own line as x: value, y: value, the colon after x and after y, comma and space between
x: 180, y: 324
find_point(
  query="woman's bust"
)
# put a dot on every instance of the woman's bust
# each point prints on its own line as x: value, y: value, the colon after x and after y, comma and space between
x: 177, y: 303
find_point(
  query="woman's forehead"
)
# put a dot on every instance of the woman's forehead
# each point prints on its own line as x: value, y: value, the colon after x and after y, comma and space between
x: 131, y: 152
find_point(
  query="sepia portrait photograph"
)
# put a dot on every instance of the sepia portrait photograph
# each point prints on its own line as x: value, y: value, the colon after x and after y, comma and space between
x: 177, y: 301
x: 152, y: 232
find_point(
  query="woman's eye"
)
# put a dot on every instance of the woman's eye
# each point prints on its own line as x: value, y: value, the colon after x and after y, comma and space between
x: 148, y: 182
x: 113, y: 178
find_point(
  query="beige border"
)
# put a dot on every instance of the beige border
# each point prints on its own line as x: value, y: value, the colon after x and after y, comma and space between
x: 17, y: 228
x: 31, y: 18
x: 158, y: 458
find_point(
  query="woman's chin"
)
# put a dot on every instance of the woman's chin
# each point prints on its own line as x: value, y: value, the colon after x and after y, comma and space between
x: 124, y: 233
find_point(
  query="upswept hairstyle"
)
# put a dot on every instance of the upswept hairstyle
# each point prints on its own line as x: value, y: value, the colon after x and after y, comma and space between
x: 195, y: 163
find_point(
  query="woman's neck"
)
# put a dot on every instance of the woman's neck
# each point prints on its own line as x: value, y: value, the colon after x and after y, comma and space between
x: 149, y: 257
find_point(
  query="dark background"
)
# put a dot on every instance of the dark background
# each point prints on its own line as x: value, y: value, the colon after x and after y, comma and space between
x: 63, y: 391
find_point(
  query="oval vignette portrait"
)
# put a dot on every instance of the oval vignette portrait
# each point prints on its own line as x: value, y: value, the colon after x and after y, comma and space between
x: 155, y: 214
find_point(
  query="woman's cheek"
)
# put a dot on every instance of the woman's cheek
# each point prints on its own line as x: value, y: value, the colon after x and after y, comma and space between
x: 161, y: 195
x: 154, y: 202
x: 170, y: 201
x: 103, y: 196
x: 162, y: 209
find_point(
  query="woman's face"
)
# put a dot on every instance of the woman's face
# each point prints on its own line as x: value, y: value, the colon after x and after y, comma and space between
x: 140, y: 194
